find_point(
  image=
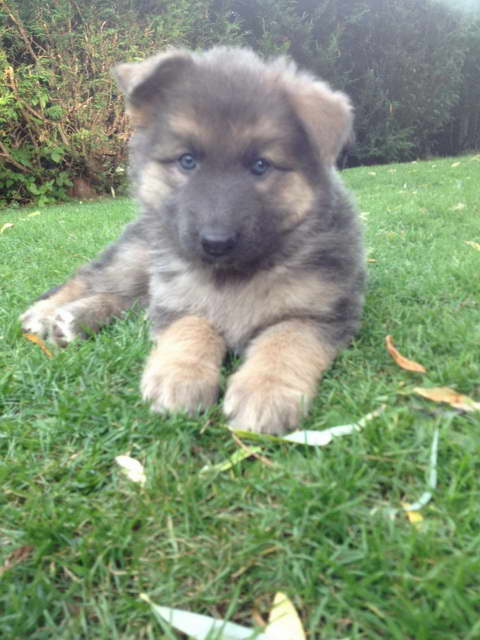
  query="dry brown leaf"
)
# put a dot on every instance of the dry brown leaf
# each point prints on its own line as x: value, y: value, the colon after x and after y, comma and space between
x: 475, y: 245
x: 450, y: 396
x: 403, y: 362
x: 7, y: 225
x: 40, y: 342
x: 17, y: 556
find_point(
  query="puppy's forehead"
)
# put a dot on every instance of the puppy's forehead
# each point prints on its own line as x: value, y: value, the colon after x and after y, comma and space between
x: 215, y: 96
x: 240, y: 132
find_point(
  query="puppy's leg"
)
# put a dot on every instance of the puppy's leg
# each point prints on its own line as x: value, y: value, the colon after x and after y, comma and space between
x: 273, y: 389
x: 98, y: 292
x: 83, y: 316
x: 182, y: 372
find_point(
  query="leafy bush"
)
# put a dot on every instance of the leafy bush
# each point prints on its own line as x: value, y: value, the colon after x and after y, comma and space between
x: 60, y: 113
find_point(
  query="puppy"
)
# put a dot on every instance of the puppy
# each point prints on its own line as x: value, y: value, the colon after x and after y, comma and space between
x: 246, y: 239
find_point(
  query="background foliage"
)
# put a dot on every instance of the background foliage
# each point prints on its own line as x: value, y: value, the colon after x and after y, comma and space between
x: 412, y: 68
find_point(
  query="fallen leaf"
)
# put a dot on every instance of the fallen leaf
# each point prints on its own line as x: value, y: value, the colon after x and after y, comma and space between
x: 372, y: 173
x: 201, y: 627
x: 371, y: 260
x: 283, y: 622
x: 313, y: 438
x: 132, y: 468
x: 36, y: 340
x: 415, y: 517
x: 7, y: 225
x: 16, y: 557
x: 33, y: 214
x: 455, y: 164
x: 450, y: 396
x: 403, y: 362
x: 475, y: 245
x: 459, y: 206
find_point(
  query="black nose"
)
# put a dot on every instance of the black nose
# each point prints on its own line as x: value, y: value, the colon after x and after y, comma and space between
x: 217, y: 243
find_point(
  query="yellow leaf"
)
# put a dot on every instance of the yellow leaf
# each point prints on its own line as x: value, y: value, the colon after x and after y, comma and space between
x: 283, y: 622
x: 34, y: 213
x: 450, y: 396
x: 7, y: 225
x: 475, y: 245
x: 403, y: 362
x: 459, y: 206
x: 415, y: 517
x: 39, y: 342
x: 455, y: 164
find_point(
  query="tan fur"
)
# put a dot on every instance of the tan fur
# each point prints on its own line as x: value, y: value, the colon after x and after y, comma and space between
x: 263, y: 299
x: 184, y: 126
x: 273, y: 390
x: 292, y: 194
x: 182, y: 372
x: 327, y: 114
x: 296, y: 195
x: 154, y: 186
x: 264, y: 130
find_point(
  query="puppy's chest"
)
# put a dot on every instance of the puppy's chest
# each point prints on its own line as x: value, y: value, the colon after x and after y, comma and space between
x: 237, y: 309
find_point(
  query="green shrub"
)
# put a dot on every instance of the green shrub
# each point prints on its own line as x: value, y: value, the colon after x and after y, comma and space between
x: 61, y: 114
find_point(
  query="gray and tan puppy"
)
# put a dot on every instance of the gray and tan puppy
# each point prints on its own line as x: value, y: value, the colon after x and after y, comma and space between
x: 246, y: 238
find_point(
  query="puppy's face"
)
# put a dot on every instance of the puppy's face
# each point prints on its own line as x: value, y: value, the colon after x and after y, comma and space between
x: 224, y: 162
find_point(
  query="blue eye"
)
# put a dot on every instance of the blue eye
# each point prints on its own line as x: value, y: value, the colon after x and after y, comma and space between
x: 259, y: 167
x: 187, y: 162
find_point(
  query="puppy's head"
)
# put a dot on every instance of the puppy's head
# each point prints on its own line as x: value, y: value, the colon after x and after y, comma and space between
x: 231, y: 153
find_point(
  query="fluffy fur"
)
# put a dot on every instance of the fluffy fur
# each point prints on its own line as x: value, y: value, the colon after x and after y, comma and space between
x: 246, y: 239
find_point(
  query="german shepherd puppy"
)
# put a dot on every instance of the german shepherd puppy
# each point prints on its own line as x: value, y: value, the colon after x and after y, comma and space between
x: 246, y: 238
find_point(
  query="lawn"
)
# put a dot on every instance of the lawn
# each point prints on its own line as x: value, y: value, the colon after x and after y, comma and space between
x: 79, y: 541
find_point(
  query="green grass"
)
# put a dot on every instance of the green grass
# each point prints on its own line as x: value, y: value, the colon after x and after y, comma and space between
x: 318, y: 524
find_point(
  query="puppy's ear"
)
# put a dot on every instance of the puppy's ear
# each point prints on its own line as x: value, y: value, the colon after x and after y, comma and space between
x: 327, y: 116
x: 143, y: 82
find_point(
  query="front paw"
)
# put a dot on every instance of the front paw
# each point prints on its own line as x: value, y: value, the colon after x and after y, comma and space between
x: 47, y: 320
x: 264, y: 403
x: 38, y: 318
x: 179, y: 387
